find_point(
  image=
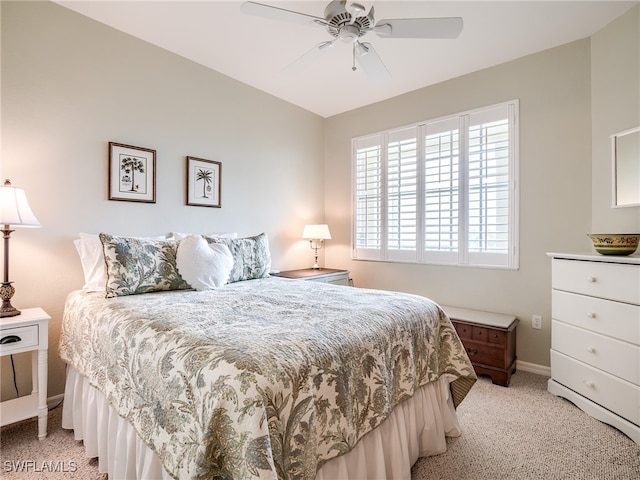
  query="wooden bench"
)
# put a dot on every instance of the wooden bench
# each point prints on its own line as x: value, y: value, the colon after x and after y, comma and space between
x: 489, y: 339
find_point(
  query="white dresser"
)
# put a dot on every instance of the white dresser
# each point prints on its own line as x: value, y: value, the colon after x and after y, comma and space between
x: 595, y: 336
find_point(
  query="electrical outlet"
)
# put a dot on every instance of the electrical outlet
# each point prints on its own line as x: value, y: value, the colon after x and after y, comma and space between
x: 536, y: 322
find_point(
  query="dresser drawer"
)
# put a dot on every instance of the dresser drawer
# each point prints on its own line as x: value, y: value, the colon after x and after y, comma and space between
x: 498, y: 337
x: 27, y: 334
x: 613, y: 356
x: 485, y: 354
x: 604, y: 280
x: 464, y: 330
x: 612, y: 393
x: 480, y: 333
x: 614, y: 319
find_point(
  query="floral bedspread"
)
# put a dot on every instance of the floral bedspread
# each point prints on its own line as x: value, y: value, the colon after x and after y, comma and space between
x: 263, y: 378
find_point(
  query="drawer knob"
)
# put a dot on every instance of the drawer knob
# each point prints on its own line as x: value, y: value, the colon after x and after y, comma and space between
x: 472, y: 351
x: 591, y: 315
x: 591, y: 349
x: 590, y: 384
x: 591, y: 279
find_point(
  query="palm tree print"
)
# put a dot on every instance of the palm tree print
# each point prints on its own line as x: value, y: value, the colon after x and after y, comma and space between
x: 131, y: 165
x: 206, y: 176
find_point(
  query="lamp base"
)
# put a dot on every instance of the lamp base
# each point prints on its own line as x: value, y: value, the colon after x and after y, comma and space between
x: 6, y: 292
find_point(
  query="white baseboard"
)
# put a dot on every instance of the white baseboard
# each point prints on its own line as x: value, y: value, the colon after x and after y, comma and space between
x: 533, y: 368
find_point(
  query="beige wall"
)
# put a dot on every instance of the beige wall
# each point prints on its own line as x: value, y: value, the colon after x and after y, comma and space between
x: 615, y: 99
x: 70, y: 85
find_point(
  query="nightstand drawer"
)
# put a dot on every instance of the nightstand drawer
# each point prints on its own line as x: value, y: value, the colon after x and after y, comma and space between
x: 19, y: 338
x: 321, y: 275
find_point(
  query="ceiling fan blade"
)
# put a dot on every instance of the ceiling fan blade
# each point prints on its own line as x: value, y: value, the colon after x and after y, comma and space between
x: 371, y: 63
x: 446, y: 27
x: 276, y: 13
x: 308, y: 58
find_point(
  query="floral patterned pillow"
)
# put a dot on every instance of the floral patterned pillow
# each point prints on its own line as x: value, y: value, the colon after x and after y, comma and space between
x: 140, y: 265
x: 251, y: 256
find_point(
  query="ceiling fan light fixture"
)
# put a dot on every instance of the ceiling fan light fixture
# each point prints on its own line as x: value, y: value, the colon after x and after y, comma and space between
x: 348, y: 33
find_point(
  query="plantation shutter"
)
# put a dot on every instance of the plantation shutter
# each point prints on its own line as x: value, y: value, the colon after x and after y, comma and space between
x: 368, y: 198
x: 442, y: 191
x: 402, y: 194
x: 490, y: 199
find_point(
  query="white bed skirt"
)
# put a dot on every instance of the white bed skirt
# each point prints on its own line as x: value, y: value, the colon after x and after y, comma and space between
x: 416, y: 428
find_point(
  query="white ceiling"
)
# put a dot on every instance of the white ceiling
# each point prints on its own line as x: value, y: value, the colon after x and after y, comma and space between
x: 254, y: 50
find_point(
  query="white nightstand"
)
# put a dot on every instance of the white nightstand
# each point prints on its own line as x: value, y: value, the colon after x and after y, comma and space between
x: 27, y: 332
x: 325, y: 275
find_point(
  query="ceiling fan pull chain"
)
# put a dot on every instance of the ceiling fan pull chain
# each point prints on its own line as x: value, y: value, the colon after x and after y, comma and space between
x: 354, y: 57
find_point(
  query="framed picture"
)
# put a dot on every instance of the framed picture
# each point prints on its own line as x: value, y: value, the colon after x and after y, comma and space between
x: 203, y: 182
x: 132, y: 173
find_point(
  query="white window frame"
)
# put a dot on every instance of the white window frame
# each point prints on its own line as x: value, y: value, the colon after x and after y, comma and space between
x: 379, y: 144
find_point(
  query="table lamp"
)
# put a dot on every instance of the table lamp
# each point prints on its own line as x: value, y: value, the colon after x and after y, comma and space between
x: 14, y: 212
x: 316, y: 234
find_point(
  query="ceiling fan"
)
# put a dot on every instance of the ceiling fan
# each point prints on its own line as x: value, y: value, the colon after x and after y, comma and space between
x: 349, y: 21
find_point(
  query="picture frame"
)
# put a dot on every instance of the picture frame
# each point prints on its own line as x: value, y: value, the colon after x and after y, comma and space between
x: 132, y: 173
x: 204, y: 182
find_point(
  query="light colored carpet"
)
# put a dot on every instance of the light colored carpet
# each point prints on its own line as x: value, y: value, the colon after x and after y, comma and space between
x: 520, y: 433
x: 59, y: 455
x: 524, y: 432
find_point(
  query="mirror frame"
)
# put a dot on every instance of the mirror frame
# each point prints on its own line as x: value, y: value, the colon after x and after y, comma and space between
x: 614, y: 162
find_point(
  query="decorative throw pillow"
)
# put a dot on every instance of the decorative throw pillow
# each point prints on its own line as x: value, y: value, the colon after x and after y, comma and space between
x: 140, y: 265
x: 204, y: 266
x: 89, y: 249
x: 251, y: 256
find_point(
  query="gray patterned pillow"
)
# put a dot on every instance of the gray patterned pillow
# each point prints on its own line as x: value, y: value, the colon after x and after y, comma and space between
x: 140, y: 265
x: 251, y: 256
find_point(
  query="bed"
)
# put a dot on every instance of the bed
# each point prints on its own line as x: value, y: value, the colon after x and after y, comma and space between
x: 261, y: 377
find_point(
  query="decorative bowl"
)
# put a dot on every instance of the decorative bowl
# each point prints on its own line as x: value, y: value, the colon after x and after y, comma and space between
x: 615, y: 243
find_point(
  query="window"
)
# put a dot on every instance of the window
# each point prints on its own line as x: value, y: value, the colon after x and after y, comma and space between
x: 442, y: 191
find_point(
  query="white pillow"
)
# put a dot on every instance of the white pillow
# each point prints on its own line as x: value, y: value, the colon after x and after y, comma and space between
x: 202, y: 265
x: 89, y: 249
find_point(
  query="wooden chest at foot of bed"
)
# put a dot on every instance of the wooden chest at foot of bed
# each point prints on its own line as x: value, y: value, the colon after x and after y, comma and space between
x: 490, y: 341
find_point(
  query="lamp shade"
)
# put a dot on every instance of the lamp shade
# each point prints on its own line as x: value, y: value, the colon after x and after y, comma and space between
x: 14, y: 207
x: 316, y: 232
